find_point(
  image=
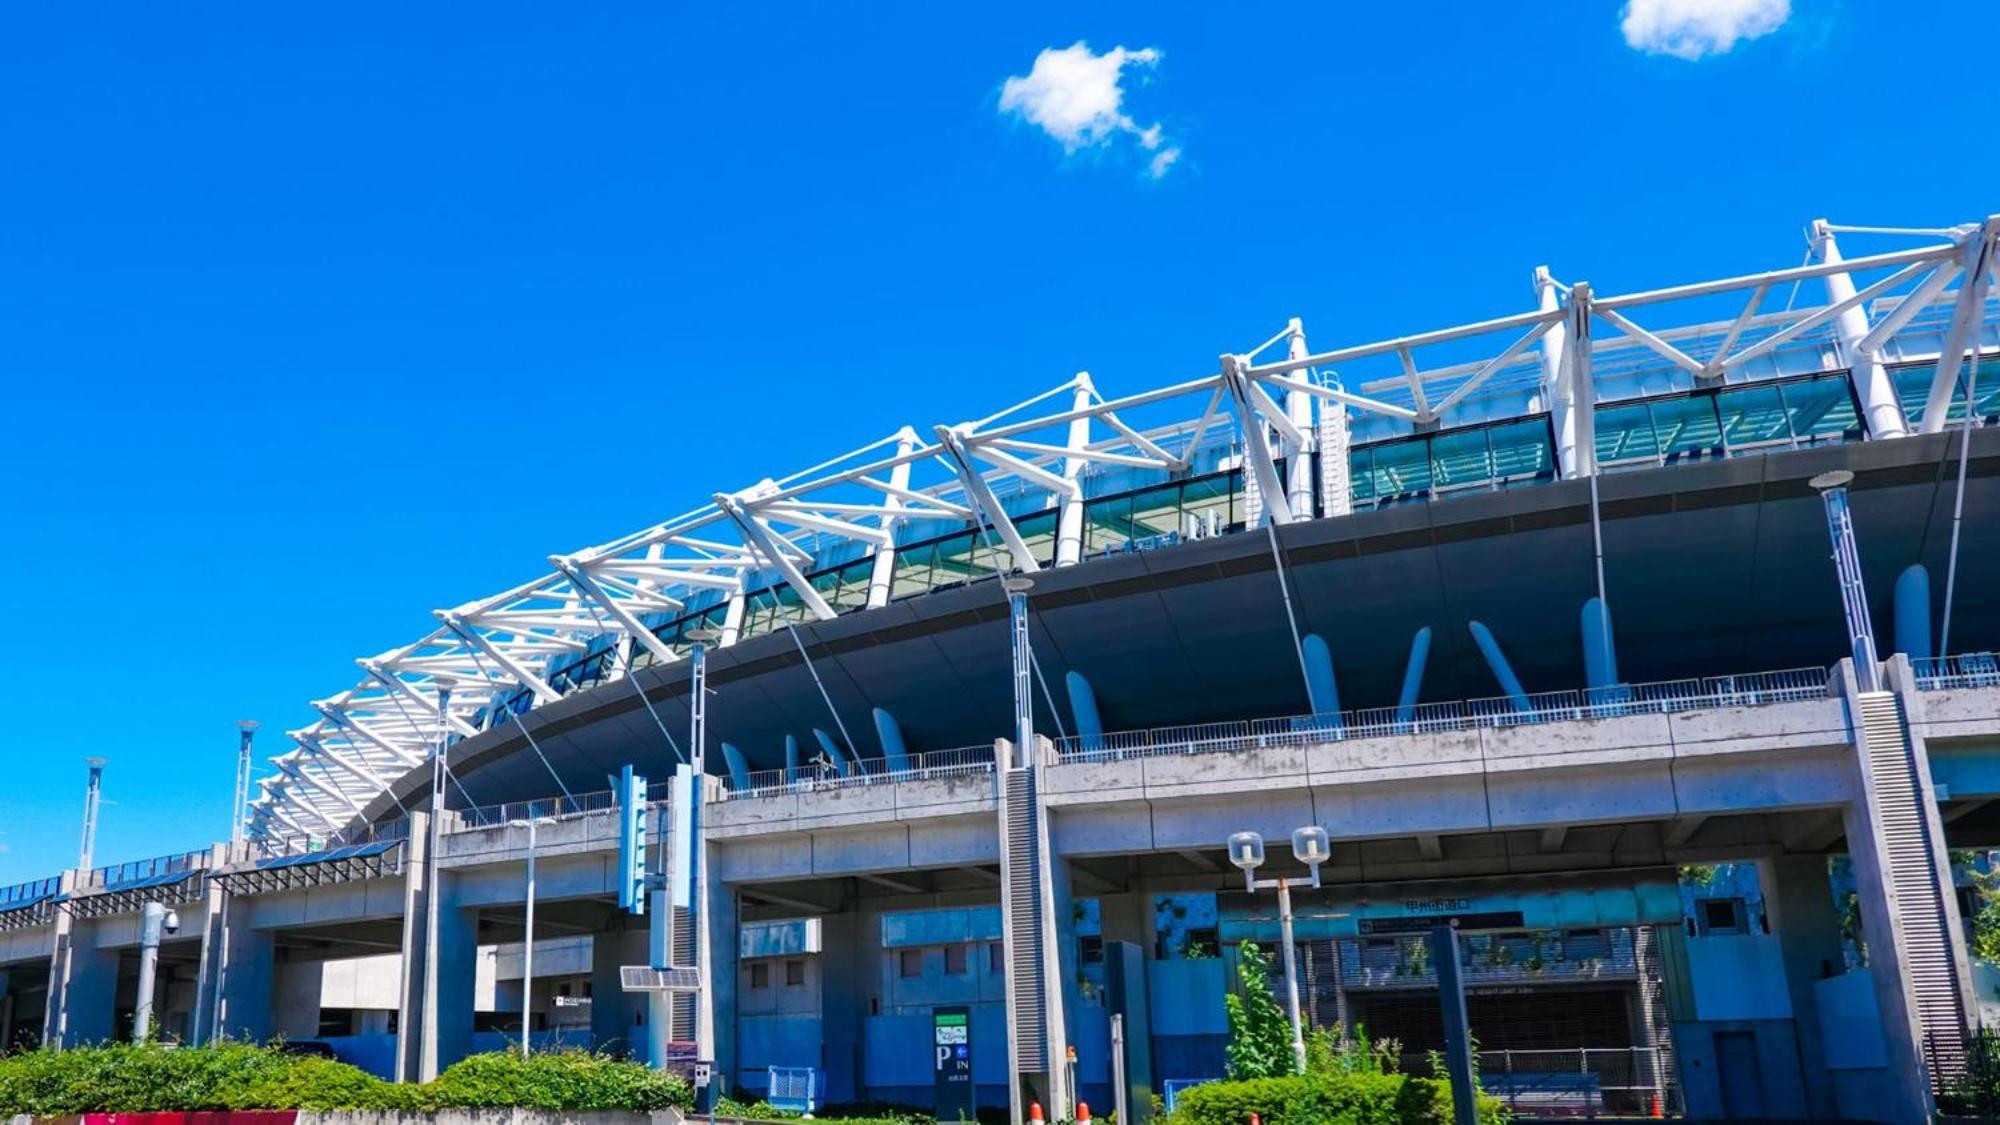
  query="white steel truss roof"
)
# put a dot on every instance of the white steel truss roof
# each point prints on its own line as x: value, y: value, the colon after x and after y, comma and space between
x: 1933, y: 299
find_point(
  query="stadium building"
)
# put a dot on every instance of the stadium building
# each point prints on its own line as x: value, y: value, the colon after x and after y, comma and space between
x: 1643, y: 638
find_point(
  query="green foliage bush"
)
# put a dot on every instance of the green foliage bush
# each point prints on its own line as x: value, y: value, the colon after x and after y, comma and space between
x: 1260, y: 1034
x: 154, y: 1078
x: 1355, y: 1097
x: 570, y: 1080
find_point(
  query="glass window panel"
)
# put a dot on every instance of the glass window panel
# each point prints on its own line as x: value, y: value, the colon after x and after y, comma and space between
x: 1039, y: 530
x: 1360, y: 476
x: 913, y: 570
x: 1460, y: 459
x: 1625, y: 434
x: 1110, y: 523
x: 1206, y: 501
x: 1753, y: 417
x: 1156, y: 511
x: 1821, y: 410
x: 1402, y: 470
x: 1913, y: 387
x: 1687, y: 427
x: 1522, y: 450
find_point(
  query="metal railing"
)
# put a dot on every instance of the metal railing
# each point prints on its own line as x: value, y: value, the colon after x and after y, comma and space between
x: 1573, y: 1081
x: 494, y: 816
x: 273, y: 847
x: 116, y: 875
x: 820, y: 777
x: 1946, y: 673
x: 1618, y: 701
x: 1537, y: 956
x: 32, y: 891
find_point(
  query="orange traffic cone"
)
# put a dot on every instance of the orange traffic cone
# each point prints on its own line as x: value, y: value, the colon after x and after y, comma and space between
x: 1657, y: 1111
x: 1034, y: 1111
x: 1082, y: 1112
x: 1254, y: 1119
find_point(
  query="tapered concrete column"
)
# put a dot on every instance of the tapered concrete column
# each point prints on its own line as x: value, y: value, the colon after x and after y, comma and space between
x: 720, y: 934
x: 412, y: 1028
x: 83, y: 986
x: 852, y: 958
x: 1798, y: 900
x: 616, y: 1016
x: 242, y: 980
x: 295, y: 993
x: 457, y: 953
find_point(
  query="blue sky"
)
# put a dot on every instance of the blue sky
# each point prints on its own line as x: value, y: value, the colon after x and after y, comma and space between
x: 313, y: 321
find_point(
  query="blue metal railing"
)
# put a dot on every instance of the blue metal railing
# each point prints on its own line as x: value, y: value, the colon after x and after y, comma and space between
x: 115, y: 876
x: 1968, y: 670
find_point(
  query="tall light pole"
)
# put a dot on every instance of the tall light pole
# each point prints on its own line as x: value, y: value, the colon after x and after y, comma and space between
x: 1832, y: 488
x: 1310, y: 847
x: 704, y: 1011
x: 239, y: 812
x: 427, y: 1051
x: 528, y: 938
x: 93, y: 791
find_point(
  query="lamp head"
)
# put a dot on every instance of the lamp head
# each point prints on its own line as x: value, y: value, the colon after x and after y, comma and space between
x: 1246, y: 850
x: 1833, y: 478
x: 1310, y: 845
x: 1017, y: 584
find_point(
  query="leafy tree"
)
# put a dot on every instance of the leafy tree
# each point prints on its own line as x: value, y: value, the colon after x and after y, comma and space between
x: 1260, y: 1037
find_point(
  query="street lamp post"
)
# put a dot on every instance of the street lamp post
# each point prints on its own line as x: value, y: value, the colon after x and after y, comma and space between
x: 1832, y: 487
x: 1017, y: 587
x: 704, y: 1012
x: 528, y: 939
x: 155, y: 922
x: 1310, y: 847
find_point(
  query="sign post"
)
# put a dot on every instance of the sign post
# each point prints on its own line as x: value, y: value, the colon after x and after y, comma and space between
x: 1457, y: 1029
x: 951, y: 1062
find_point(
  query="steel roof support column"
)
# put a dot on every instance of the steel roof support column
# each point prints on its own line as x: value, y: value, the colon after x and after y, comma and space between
x: 1299, y: 408
x: 882, y: 576
x: 1256, y: 438
x: 1575, y: 428
x: 1069, y: 519
x: 635, y: 629
x: 1977, y: 261
x: 1881, y: 411
x: 1580, y: 386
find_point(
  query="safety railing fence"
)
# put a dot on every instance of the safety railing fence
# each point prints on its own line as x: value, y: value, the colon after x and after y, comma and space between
x: 1949, y: 673
x: 273, y: 847
x: 1621, y: 700
x: 822, y: 776
x: 494, y: 816
x: 34, y: 890
x: 1572, y: 1081
x: 115, y: 875
x: 1966, y: 1078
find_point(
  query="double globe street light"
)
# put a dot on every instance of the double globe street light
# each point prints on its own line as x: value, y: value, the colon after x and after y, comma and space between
x: 1311, y: 847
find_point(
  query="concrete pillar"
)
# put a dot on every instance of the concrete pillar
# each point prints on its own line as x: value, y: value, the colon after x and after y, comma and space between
x: 852, y: 957
x: 1798, y: 900
x: 243, y: 980
x: 83, y: 986
x: 413, y: 1062
x: 457, y: 953
x: 617, y: 1024
x: 720, y: 934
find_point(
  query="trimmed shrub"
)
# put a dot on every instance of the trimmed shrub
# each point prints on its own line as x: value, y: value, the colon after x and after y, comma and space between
x: 131, y: 1079
x: 1232, y: 1103
x: 1339, y: 1098
x: 564, y: 1080
x: 316, y: 1084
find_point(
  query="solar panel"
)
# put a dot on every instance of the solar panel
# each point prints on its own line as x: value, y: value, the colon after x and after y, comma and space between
x: 641, y: 978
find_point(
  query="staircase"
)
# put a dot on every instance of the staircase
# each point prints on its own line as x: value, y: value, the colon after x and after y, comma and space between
x: 1021, y: 873
x: 1912, y: 867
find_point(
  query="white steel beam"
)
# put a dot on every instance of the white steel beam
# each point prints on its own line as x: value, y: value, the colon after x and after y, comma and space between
x: 768, y: 544
x: 340, y: 718
x: 1975, y: 265
x: 1069, y: 516
x: 520, y: 672
x: 1881, y: 407
x: 960, y: 460
x: 882, y: 573
x: 1299, y: 411
x: 1256, y: 442
x: 633, y: 628
x: 396, y: 684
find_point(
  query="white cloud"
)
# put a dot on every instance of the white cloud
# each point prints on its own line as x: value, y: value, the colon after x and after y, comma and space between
x: 1693, y: 29
x: 1076, y: 96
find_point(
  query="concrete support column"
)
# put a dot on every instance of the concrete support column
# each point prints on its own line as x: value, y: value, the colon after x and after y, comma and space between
x: 83, y: 986
x: 721, y: 943
x: 616, y: 1023
x: 457, y: 952
x: 852, y: 957
x: 241, y: 981
x: 412, y: 1028
x: 1798, y: 900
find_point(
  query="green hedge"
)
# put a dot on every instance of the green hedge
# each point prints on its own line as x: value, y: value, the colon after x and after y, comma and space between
x: 1358, y: 1098
x: 153, y: 1078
